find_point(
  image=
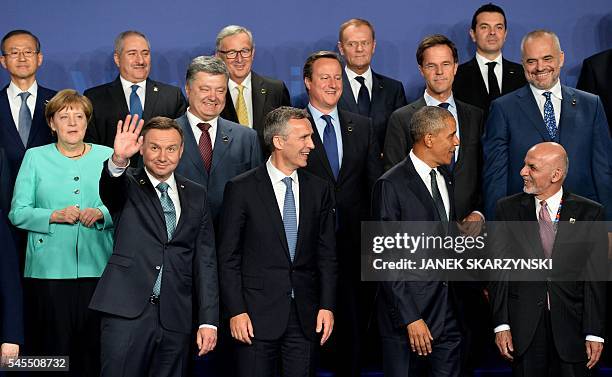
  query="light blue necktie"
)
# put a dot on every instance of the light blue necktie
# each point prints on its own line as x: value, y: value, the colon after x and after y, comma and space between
x: 290, y: 218
x: 331, y: 145
x: 135, y: 104
x: 25, y: 119
x: 170, y: 217
x: 549, y: 116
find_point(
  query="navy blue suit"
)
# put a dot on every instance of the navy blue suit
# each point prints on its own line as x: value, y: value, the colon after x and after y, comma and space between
x: 236, y: 150
x: 515, y: 124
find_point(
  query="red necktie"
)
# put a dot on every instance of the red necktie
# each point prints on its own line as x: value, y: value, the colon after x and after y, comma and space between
x: 205, y: 145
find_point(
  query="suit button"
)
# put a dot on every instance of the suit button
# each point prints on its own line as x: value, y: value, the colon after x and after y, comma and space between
x: 444, y: 283
x: 76, y: 178
x: 158, y: 268
x: 77, y: 191
x: 540, y: 303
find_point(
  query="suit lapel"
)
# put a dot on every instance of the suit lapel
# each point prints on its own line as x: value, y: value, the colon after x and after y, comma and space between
x: 223, y: 139
x: 149, y: 191
x: 463, y: 119
x: 306, y: 202
x: 569, y: 105
x: 530, y: 108
x: 152, y: 95
x: 267, y: 196
x: 378, y: 95
x: 258, y: 97
x: 118, y: 97
x: 38, y: 119
x: 348, y: 146
x: 185, y: 207
x: 529, y: 223
x: 347, y: 94
x: 480, y: 85
x: 319, y: 150
x: 192, y: 151
x: 509, y: 75
x: 229, y: 112
x: 9, y: 128
x: 417, y: 186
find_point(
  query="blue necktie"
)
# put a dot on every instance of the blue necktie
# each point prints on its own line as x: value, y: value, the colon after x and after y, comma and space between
x: 549, y: 116
x: 290, y: 218
x: 25, y: 119
x: 170, y: 217
x: 445, y: 105
x: 331, y: 145
x: 363, y: 98
x: 135, y: 104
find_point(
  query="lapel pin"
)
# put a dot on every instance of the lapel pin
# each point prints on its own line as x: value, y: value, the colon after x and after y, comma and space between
x: 225, y: 138
x: 263, y: 90
x: 182, y: 186
x: 574, y: 102
x: 142, y: 181
x: 350, y: 129
x: 155, y: 89
x: 572, y: 220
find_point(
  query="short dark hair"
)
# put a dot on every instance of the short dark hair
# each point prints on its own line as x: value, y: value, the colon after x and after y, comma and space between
x: 161, y: 123
x: 428, y: 120
x: 13, y: 33
x: 355, y: 22
x: 435, y: 40
x: 316, y: 56
x: 275, y: 123
x: 490, y: 7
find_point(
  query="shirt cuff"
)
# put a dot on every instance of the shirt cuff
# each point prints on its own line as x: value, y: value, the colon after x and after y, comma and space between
x: 115, y: 170
x: 479, y: 214
x: 208, y: 327
x: 502, y: 327
x: 593, y: 338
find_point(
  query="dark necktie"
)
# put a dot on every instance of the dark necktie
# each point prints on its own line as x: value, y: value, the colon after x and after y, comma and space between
x: 25, y: 119
x: 135, y: 104
x: 547, y: 230
x: 437, y: 197
x: 205, y: 145
x: 170, y: 219
x: 331, y: 145
x: 363, y: 98
x: 290, y: 218
x: 494, y: 91
x: 549, y: 116
x: 445, y: 105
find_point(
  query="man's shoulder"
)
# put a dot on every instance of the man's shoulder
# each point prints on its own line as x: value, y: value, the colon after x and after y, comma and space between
x: 510, y: 64
x: 513, y: 201
x: 347, y: 116
x: 388, y: 82
x: 602, y: 57
x: 46, y: 93
x: 580, y: 94
x: 400, y: 172
x: 236, y: 129
x: 510, y: 99
x: 467, y: 66
x: 410, y: 108
x: 187, y: 183
x: 268, y: 81
x: 162, y: 87
x: 100, y: 90
x: 464, y: 106
x: 312, y: 179
x: 582, y: 202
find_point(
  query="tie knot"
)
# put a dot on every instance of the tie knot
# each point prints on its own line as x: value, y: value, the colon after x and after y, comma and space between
x: 287, y: 181
x: 547, y: 95
x: 240, y: 88
x: 327, y: 119
x: 163, y: 187
x: 543, y: 204
x: 134, y: 88
x: 444, y: 105
x: 204, y: 127
x: 360, y: 79
x: 24, y: 96
x: 433, y: 173
x: 491, y: 65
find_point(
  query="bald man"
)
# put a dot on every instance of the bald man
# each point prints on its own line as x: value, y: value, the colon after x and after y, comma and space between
x: 550, y: 327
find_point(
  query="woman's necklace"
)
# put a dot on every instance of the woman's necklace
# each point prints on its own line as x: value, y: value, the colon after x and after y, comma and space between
x: 80, y: 154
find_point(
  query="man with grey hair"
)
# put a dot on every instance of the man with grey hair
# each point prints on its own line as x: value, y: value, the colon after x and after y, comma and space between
x: 545, y: 110
x: 419, y: 317
x: 278, y: 276
x: 216, y: 149
x: 132, y: 92
x: 250, y: 96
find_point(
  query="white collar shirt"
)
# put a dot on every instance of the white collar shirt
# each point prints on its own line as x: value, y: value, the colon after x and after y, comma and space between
x: 247, y: 93
x: 12, y: 92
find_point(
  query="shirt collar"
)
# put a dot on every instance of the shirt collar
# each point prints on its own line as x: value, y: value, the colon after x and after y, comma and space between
x: 552, y: 203
x: 421, y: 166
x: 276, y: 175
x: 316, y: 114
x: 171, y: 181
x: 482, y: 61
x: 194, y: 120
x: 555, y: 90
x: 430, y: 101
x: 127, y: 85
x: 231, y: 84
x: 13, y: 90
x: 367, y: 75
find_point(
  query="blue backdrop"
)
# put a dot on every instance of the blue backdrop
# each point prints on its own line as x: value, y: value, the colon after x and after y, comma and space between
x: 77, y: 36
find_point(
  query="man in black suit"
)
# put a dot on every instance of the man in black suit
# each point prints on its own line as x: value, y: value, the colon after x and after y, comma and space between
x: 419, y: 316
x: 488, y: 75
x: 596, y: 77
x: 133, y: 92
x: 550, y: 327
x: 163, y: 259
x: 278, y: 277
x: 250, y: 96
x: 347, y: 156
x: 364, y: 91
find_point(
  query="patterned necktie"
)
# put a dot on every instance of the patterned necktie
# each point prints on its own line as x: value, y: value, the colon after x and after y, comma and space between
x: 363, y: 98
x: 547, y: 230
x: 205, y: 145
x: 494, y: 91
x: 549, y: 116
x: 331, y: 145
x: 170, y: 217
x: 25, y: 119
x: 135, y: 104
x: 445, y: 106
x: 437, y: 197
x: 290, y: 217
x: 241, y: 109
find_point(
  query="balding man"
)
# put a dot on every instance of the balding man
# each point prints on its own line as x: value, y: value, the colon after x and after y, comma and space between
x: 550, y: 327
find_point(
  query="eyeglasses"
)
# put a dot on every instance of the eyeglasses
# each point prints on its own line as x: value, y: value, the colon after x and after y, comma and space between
x: 354, y: 44
x: 14, y: 54
x: 233, y: 54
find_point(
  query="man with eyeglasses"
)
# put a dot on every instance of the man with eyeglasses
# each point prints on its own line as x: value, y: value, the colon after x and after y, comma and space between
x: 366, y: 92
x: 250, y: 97
x: 132, y: 92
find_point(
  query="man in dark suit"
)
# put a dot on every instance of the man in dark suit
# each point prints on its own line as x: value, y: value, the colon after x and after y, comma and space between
x: 545, y: 110
x: 364, y: 91
x: 488, y: 75
x: 419, y: 316
x: 22, y: 101
x: 347, y: 156
x: 163, y: 259
x: 551, y: 327
x: 278, y: 277
x: 250, y: 96
x: 216, y: 149
x: 596, y: 77
x: 133, y: 92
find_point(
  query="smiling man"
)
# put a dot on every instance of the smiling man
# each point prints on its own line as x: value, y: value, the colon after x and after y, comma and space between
x: 133, y: 92
x: 545, y: 110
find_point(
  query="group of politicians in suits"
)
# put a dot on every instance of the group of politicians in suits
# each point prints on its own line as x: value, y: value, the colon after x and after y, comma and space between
x: 141, y: 229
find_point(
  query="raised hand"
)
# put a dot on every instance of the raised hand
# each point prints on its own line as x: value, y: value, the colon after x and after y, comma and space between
x: 127, y: 139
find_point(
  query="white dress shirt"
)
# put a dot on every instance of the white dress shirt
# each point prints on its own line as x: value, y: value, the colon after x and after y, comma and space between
x: 484, y: 69
x: 127, y: 91
x: 555, y: 98
x: 423, y: 171
x: 212, y: 131
x: 277, y: 176
x: 355, y: 85
x: 247, y: 93
x: 321, y: 124
x: 12, y: 92
x: 430, y: 101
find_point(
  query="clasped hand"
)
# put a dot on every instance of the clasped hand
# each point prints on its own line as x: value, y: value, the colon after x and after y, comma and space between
x: 72, y: 214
